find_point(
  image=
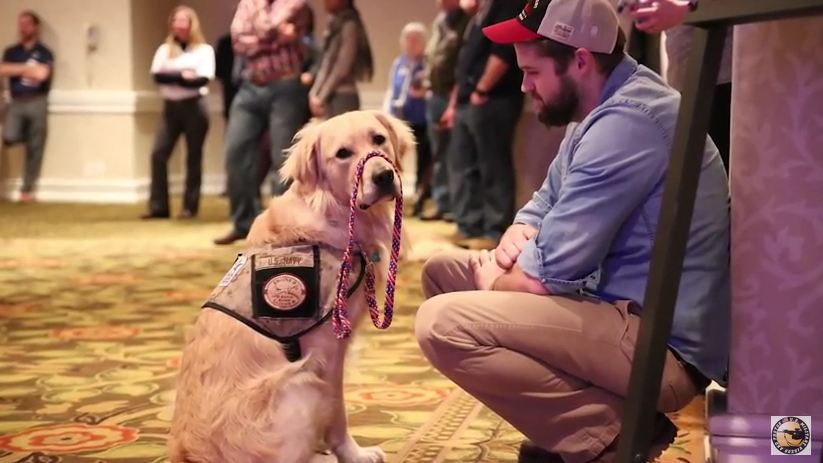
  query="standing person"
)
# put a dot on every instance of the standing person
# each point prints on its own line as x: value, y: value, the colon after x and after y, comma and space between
x: 347, y: 59
x: 406, y: 100
x: 543, y: 330
x: 28, y: 66
x: 226, y: 72
x: 182, y: 68
x: 267, y: 35
x: 441, y: 57
x: 488, y: 106
x: 668, y: 16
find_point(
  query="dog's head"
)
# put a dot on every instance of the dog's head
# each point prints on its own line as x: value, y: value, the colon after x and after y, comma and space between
x: 324, y: 158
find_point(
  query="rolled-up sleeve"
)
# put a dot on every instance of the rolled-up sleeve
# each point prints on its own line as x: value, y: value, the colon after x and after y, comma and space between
x: 540, y: 204
x: 620, y: 159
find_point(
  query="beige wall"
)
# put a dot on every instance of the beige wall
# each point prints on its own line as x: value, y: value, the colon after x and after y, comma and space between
x: 149, y: 20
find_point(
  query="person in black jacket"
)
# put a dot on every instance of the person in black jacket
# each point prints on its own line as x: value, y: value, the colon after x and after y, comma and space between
x: 487, y: 106
x: 182, y: 68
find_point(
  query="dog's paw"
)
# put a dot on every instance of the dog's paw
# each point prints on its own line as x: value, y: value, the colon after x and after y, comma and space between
x: 363, y: 455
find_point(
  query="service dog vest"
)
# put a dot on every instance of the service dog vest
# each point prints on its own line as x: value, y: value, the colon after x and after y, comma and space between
x: 283, y: 292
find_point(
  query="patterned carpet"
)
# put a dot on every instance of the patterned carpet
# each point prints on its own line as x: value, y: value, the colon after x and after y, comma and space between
x: 94, y: 306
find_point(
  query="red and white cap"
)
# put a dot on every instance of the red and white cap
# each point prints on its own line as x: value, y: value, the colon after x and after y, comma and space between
x: 589, y: 24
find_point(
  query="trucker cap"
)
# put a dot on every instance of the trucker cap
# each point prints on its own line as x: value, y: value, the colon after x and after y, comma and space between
x: 589, y: 24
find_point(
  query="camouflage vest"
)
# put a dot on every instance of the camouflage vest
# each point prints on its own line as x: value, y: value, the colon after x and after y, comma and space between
x: 283, y: 292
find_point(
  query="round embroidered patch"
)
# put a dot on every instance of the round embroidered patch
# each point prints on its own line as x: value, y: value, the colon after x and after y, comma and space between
x: 284, y: 291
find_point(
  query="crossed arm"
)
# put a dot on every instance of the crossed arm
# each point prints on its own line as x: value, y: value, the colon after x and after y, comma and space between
x: 37, y: 72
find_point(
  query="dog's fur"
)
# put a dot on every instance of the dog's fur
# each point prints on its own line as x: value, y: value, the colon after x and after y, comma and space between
x: 238, y: 398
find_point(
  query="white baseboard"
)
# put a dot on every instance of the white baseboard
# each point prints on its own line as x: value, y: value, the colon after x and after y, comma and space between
x: 108, y: 191
x: 115, y: 102
x: 147, y: 101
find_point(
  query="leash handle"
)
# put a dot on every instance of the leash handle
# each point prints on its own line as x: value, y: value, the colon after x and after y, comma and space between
x: 340, y: 322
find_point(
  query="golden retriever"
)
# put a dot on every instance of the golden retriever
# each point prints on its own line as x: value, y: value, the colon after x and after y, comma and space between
x: 239, y: 400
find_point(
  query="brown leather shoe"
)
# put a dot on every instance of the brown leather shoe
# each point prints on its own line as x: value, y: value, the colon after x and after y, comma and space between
x: 186, y: 214
x: 456, y: 237
x: 229, y: 238
x: 154, y: 215
x: 477, y: 244
x: 26, y: 198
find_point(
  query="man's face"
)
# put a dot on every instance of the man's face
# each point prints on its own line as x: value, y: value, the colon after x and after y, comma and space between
x: 555, y: 96
x: 26, y: 27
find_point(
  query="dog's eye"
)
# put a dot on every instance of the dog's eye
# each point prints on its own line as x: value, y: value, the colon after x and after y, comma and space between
x: 343, y: 153
x: 379, y: 139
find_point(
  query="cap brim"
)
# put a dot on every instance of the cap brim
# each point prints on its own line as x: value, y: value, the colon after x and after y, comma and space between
x: 510, y: 31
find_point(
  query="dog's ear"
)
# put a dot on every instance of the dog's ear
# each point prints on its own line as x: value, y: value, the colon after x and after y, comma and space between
x: 301, y: 163
x: 400, y: 135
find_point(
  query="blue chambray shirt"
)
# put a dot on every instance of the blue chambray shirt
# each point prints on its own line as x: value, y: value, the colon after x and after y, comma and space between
x: 597, y: 214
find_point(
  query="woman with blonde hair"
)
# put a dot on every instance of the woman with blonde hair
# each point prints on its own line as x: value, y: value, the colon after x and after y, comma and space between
x: 182, y: 68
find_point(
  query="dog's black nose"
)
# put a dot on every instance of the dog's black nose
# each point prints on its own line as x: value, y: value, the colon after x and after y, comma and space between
x: 384, y: 179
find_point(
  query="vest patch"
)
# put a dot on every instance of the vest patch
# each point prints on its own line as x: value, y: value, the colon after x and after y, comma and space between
x: 286, y: 286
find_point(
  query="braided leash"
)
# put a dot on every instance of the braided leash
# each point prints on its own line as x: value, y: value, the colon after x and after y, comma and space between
x: 340, y: 321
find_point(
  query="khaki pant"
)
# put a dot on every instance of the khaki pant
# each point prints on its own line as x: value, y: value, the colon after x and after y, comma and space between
x: 557, y: 368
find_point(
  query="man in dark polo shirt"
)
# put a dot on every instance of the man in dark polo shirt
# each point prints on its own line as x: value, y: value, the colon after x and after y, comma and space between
x: 489, y: 103
x: 28, y: 67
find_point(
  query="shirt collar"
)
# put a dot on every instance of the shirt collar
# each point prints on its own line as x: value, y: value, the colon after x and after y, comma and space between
x: 621, y: 73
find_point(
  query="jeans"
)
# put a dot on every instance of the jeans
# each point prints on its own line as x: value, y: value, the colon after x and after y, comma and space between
x: 439, y: 141
x: 280, y: 106
x: 480, y: 166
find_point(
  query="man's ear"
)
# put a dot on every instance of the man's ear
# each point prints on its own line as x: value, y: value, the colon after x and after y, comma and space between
x: 400, y: 136
x: 584, y: 62
x: 301, y: 163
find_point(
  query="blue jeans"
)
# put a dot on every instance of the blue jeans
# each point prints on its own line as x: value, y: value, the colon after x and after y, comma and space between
x: 280, y: 106
x: 480, y: 166
x: 439, y: 141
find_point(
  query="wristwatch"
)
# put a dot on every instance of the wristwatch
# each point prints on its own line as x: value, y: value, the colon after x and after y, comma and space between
x: 481, y: 93
x: 693, y: 5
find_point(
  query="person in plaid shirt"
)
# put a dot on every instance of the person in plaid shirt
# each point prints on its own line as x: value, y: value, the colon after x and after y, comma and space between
x: 267, y: 35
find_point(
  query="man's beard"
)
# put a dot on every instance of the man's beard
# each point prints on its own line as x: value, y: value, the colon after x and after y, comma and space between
x: 562, y: 110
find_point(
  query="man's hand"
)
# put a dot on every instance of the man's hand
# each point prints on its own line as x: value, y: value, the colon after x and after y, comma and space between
x: 512, y: 244
x: 516, y: 280
x: 476, y: 99
x: 447, y: 119
x: 307, y: 79
x: 286, y: 32
x: 485, y: 270
x: 658, y: 16
x: 317, y: 107
x: 37, y: 72
x: 246, y: 44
